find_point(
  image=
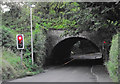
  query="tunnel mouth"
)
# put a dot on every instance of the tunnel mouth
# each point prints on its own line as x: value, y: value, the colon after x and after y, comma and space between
x: 61, y: 53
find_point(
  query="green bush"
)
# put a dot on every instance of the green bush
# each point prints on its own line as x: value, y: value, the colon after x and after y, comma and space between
x: 112, y: 64
x: 39, y: 45
x: 8, y: 38
x: 16, y: 21
x: 9, y: 42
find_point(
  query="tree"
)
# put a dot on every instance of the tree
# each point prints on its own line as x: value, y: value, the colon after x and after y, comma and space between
x: 76, y: 17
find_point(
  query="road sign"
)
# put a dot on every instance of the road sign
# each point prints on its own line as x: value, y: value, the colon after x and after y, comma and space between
x: 20, y: 44
x: 20, y: 41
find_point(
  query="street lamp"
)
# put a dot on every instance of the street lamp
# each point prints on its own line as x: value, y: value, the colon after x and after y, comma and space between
x: 31, y: 6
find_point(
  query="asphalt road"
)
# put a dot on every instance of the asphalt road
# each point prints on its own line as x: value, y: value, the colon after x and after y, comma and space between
x: 75, y: 71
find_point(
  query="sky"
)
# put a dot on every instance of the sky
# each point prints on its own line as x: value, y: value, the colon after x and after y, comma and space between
x: 5, y: 8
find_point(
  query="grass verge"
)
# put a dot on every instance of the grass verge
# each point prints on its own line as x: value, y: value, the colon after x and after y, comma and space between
x: 12, y: 68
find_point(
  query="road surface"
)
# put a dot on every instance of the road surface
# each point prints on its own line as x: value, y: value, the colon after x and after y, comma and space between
x: 82, y: 71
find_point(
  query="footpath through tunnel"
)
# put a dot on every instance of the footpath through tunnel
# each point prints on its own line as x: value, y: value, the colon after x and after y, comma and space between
x: 73, y: 48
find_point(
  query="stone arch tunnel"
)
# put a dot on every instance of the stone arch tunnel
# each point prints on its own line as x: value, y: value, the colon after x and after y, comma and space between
x: 59, y: 48
x: 61, y: 52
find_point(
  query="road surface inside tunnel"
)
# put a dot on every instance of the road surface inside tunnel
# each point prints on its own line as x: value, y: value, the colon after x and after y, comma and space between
x: 78, y: 70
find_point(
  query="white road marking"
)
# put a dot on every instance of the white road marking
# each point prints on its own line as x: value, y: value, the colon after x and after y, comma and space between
x: 94, y: 74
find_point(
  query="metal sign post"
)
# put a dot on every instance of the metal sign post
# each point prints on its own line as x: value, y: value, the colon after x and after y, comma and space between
x: 31, y: 34
x: 31, y: 6
x: 21, y: 57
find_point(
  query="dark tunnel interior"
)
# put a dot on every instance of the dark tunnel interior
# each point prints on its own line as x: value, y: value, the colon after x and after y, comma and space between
x: 62, y: 51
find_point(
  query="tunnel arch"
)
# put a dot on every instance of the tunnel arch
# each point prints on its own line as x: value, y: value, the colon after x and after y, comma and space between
x: 62, y: 49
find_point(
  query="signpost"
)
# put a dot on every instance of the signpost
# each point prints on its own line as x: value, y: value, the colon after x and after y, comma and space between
x: 20, y: 44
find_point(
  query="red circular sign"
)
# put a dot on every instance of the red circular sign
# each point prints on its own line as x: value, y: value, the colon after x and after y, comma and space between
x: 20, y: 38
